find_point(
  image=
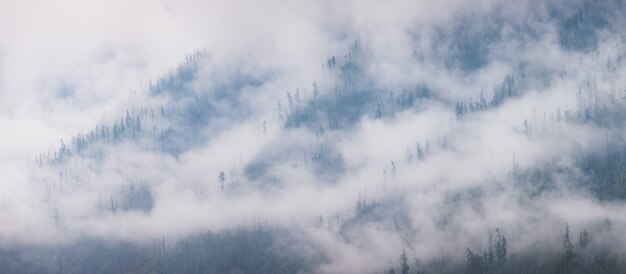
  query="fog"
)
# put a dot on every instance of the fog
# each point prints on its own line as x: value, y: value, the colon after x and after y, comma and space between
x: 334, y: 152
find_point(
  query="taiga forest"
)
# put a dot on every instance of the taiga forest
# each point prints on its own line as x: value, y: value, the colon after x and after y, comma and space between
x: 331, y: 136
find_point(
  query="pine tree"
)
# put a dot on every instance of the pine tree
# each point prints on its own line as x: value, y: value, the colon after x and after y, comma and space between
x: 404, y: 265
x: 419, y: 151
x: 567, y: 244
x: 458, y: 110
x: 222, y: 179
x: 489, y: 258
x: 474, y: 263
x: 315, y: 91
x: 290, y: 103
x: 583, y: 240
x: 500, y: 248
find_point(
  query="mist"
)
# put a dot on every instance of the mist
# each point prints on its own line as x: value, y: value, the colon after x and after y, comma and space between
x: 347, y: 132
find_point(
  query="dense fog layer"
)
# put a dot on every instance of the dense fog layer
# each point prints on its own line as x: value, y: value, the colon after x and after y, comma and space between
x: 357, y: 128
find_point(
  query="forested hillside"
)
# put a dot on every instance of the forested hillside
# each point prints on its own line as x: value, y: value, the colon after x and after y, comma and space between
x: 486, y: 139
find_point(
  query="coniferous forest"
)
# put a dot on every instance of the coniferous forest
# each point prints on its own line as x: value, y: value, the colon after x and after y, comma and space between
x: 313, y: 137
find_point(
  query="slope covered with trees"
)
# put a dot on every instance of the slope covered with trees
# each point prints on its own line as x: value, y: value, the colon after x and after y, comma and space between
x: 495, y: 144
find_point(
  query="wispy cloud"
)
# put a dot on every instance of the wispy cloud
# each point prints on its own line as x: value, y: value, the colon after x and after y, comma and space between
x: 334, y: 120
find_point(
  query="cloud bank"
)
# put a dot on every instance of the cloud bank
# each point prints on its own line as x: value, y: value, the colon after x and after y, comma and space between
x: 361, y: 127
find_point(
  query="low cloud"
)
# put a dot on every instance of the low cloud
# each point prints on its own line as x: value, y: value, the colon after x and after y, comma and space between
x: 362, y: 128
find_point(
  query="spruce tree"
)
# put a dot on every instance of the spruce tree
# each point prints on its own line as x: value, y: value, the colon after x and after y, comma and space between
x: 404, y: 263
